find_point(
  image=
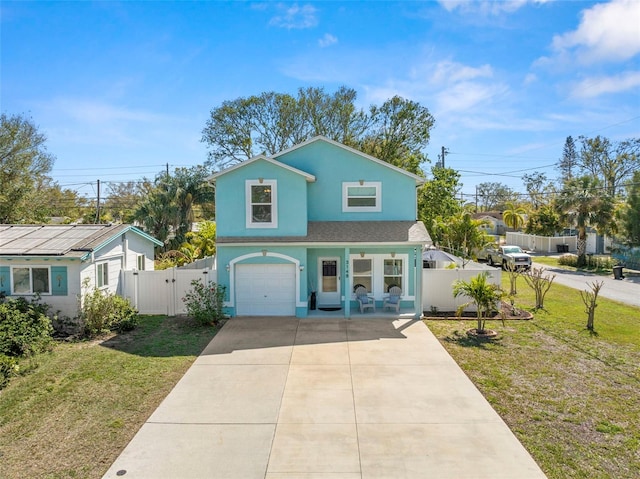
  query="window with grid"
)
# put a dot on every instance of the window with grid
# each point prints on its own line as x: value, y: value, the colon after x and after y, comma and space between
x: 393, y: 274
x: 141, y: 262
x: 362, y: 274
x: 261, y: 204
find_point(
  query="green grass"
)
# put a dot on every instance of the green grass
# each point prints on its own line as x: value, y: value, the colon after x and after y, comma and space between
x: 569, y: 395
x: 73, y: 414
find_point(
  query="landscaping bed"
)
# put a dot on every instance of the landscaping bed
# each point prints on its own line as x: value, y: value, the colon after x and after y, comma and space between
x: 506, y: 312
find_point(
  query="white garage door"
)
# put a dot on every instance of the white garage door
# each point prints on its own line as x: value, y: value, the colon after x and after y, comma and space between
x: 265, y: 290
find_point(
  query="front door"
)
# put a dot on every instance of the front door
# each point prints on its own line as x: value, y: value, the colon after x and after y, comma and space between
x: 329, y: 281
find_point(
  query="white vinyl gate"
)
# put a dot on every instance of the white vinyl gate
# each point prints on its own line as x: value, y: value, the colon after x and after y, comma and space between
x: 161, y: 292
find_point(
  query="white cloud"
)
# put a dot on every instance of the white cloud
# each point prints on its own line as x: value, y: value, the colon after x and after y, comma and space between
x: 486, y: 7
x: 295, y: 16
x: 593, y: 87
x: 327, y: 40
x: 607, y: 31
x: 451, y: 72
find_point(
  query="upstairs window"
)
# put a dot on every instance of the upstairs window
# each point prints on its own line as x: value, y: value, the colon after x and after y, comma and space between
x: 141, y: 262
x: 361, y: 196
x: 261, y: 199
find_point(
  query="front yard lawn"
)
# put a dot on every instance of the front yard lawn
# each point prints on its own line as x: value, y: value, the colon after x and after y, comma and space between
x: 75, y: 412
x: 571, y: 397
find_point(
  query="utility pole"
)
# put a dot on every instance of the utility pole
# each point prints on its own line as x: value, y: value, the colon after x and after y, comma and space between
x: 442, y: 155
x: 167, y: 170
x: 98, y: 205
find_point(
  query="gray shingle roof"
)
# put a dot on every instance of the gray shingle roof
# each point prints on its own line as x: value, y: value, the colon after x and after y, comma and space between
x: 55, y: 240
x: 370, y: 232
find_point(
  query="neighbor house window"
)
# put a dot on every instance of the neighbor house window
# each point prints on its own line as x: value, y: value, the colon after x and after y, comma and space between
x: 102, y: 275
x: 261, y: 199
x: 392, y: 273
x: 31, y: 280
x: 141, y: 262
x: 362, y: 273
x: 361, y: 196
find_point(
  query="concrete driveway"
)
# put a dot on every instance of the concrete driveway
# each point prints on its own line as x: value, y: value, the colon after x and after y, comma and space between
x: 280, y: 398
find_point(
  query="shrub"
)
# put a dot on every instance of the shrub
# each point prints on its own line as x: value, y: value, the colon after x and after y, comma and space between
x: 8, y: 368
x: 104, y: 311
x: 25, y: 328
x: 204, y: 302
x: 591, y: 261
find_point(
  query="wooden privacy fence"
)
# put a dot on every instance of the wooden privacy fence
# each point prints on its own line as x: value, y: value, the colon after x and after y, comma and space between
x: 161, y: 292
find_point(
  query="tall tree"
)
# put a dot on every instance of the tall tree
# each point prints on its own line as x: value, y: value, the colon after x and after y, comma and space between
x: 461, y: 234
x: 631, y: 214
x: 24, y: 165
x: 569, y: 161
x: 437, y: 199
x: 122, y: 200
x: 545, y: 221
x: 611, y: 163
x: 514, y: 216
x: 494, y: 196
x: 168, y: 208
x: 538, y: 188
x: 396, y: 132
x: 399, y: 129
x: 582, y: 203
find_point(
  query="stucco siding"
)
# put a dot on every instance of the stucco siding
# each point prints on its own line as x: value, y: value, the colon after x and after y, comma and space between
x: 291, y: 198
x: 332, y: 165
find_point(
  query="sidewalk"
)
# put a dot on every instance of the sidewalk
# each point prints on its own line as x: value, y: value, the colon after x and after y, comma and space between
x: 283, y: 398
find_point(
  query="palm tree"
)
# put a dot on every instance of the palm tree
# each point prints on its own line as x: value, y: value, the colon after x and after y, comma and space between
x: 583, y: 202
x: 483, y: 294
x: 514, y: 216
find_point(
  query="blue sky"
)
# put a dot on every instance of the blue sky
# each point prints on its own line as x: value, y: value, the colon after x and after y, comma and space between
x: 123, y: 88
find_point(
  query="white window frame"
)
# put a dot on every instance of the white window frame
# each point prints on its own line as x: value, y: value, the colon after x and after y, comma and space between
x: 371, y: 276
x: 274, y: 204
x: 31, y: 268
x: 141, y: 262
x: 362, y: 209
x: 100, y: 275
x: 377, y: 274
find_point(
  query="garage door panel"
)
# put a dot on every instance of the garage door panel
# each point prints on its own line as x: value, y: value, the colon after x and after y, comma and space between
x: 265, y: 290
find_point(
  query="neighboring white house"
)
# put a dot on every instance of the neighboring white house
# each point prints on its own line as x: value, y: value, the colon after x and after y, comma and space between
x: 54, y: 260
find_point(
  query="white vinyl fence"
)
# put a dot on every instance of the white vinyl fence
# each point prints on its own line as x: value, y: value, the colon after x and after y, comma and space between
x: 437, y: 286
x: 542, y: 244
x: 161, y: 292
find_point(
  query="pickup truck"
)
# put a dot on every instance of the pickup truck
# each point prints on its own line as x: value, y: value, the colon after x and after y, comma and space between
x: 509, y: 257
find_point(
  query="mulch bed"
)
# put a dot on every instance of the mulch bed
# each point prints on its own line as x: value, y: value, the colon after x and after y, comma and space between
x: 506, y: 313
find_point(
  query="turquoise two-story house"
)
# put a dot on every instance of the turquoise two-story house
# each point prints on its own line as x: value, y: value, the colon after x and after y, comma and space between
x: 297, y: 232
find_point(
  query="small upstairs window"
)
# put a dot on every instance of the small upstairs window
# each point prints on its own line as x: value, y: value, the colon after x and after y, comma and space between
x: 361, y: 196
x: 261, y: 199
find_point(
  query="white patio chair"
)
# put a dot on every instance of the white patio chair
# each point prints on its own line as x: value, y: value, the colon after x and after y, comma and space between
x: 393, y: 301
x: 364, y: 300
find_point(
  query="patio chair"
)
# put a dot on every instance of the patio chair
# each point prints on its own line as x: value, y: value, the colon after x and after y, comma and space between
x: 393, y: 301
x: 364, y: 300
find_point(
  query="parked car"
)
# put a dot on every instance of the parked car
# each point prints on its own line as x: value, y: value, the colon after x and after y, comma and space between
x: 509, y: 257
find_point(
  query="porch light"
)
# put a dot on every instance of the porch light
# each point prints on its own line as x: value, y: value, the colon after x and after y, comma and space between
x: 301, y: 267
x: 264, y: 252
x: 362, y: 254
x: 361, y: 182
x: 393, y: 254
x: 228, y: 268
x: 260, y: 180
